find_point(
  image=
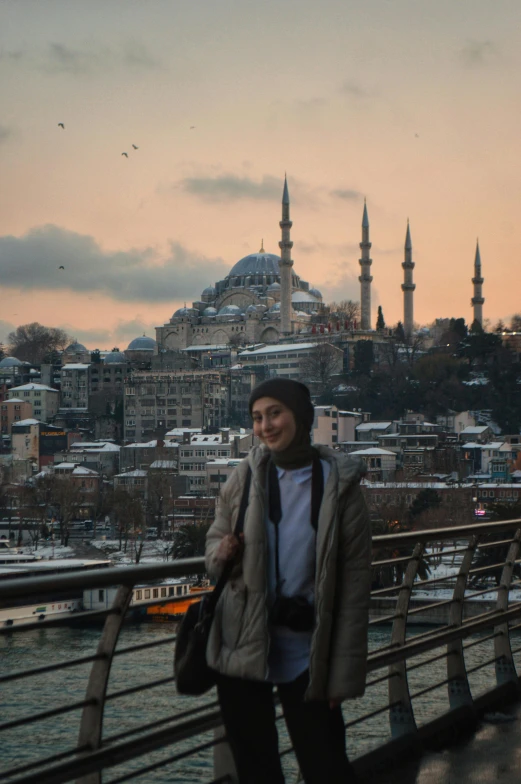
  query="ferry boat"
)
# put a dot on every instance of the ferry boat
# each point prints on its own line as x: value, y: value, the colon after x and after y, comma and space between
x: 175, y: 598
x: 53, y: 603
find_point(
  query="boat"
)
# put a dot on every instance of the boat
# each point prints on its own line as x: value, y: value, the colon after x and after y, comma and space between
x: 51, y: 604
x: 175, y: 596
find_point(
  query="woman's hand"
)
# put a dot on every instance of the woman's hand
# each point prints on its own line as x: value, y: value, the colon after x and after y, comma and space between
x: 229, y: 547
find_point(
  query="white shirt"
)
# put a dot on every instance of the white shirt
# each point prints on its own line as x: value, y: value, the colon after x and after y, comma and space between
x: 289, y: 651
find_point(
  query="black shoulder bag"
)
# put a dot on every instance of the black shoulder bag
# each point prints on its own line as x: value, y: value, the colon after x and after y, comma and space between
x: 192, y: 674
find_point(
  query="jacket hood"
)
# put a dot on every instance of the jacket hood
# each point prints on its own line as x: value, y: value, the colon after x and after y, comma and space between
x: 350, y: 469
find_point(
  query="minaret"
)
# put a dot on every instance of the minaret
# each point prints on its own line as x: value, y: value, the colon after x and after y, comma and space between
x: 365, y: 278
x: 477, y: 280
x: 285, y: 264
x: 408, y: 286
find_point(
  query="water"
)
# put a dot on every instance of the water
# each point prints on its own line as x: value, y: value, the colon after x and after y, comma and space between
x: 23, y: 651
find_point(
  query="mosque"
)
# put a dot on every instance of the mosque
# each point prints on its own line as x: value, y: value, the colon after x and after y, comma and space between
x: 261, y: 300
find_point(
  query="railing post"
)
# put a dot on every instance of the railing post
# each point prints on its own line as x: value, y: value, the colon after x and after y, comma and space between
x: 92, y: 716
x: 401, y: 716
x: 505, y: 667
x: 458, y: 682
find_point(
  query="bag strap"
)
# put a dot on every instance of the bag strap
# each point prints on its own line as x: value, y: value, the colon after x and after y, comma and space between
x: 228, y: 566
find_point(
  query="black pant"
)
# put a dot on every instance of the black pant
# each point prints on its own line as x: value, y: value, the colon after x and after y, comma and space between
x: 317, y: 732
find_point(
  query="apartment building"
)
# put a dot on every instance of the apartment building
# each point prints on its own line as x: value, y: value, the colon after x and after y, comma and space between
x: 75, y: 384
x: 197, y: 450
x: 286, y: 359
x: 157, y: 402
x: 44, y: 400
x: 13, y: 410
x: 332, y: 426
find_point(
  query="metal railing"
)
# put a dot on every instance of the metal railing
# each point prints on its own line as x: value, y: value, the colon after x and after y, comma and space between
x: 441, y: 651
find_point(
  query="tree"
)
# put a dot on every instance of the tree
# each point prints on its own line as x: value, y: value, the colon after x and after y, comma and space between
x: 346, y: 309
x: 34, y: 342
x: 190, y: 540
x: 399, y: 332
x: 319, y: 366
x: 66, y: 496
x: 380, y: 321
x: 515, y: 323
x: 425, y: 500
x: 130, y: 518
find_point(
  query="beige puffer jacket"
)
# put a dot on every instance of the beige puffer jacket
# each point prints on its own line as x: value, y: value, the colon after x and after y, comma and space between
x: 239, y: 638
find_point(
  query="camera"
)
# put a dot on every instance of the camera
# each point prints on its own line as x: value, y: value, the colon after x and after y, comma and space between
x: 294, y: 612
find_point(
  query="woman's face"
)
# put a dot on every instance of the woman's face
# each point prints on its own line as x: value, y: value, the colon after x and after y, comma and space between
x: 273, y: 423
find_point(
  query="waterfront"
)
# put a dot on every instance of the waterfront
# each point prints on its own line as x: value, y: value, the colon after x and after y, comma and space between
x: 44, y: 646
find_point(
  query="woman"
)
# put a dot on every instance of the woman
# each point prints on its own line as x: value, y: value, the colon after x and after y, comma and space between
x: 294, y: 613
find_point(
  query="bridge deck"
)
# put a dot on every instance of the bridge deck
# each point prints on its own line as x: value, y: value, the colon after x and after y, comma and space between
x: 492, y: 754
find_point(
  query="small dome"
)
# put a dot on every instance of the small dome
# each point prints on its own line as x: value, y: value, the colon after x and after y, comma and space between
x: 274, y: 308
x: 115, y: 358
x: 209, y: 292
x: 210, y: 311
x: 10, y: 362
x: 184, y: 312
x: 251, y: 309
x: 316, y: 293
x: 142, y: 343
x: 274, y: 286
x: 75, y: 348
x: 230, y: 310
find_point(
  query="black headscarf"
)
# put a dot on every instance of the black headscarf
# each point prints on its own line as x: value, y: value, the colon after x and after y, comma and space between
x: 296, y: 397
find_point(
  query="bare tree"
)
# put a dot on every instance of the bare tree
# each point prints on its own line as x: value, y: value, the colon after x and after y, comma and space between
x: 34, y: 342
x: 128, y: 509
x: 346, y: 309
x: 66, y: 496
x: 319, y: 366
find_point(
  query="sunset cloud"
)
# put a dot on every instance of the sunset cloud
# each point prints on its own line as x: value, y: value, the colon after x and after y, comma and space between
x: 33, y: 262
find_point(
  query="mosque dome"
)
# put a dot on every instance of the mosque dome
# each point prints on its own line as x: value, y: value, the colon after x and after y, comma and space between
x: 316, y: 293
x: 10, y: 362
x: 230, y: 310
x: 209, y: 292
x: 274, y: 286
x: 115, y: 358
x: 184, y: 312
x: 256, y: 264
x: 209, y: 311
x: 251, y: 309
x: 275, y: 308
x: 75, y: 348
x: 142, y: 343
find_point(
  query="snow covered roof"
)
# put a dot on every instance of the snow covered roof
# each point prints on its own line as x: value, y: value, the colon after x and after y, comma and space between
x: 373, y: 451
x: 280, y: 348
x: 135, y: 472
x: 93, y: 446
x: 206, y: 348
x: 366, y: 426
x: 64, y: 465
x: 76, y: 366
x: 474, y: 431
x: 15, y: 400
x: 82, y: 471
x: 146, y: 445
x: 164, y: 464
x: 30, y: 387
x: 26, y: 422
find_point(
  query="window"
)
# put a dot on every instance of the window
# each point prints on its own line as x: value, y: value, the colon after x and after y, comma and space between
x: 139, y: 595
x: 101, y: 595
x: 186, y: 423
x: 163, y: 592
x: 155, y: 593
x: 179, y: 590
x: 147, y: 593
x: 170, y: 591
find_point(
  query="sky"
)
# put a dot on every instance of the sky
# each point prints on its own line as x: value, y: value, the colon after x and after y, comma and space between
x: 414, y: 105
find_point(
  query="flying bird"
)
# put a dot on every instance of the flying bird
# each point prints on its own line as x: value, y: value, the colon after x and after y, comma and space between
x: 125, y: 154
x: 417, y: 135
x: 61, y: 267
x: 192, y: 127
x: 135, y: 147
x: 61, y: 125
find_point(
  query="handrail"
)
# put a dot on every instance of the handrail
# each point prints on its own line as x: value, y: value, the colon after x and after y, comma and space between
x: 397, y: 658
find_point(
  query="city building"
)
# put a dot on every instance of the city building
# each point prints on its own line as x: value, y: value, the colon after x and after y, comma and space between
x: 333, y: 426
x: 13, y: 410
x: 99, y: 456
x: 197, y: 450
x: 287, y: 359
x: 44, y: 400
